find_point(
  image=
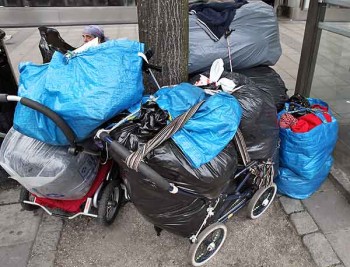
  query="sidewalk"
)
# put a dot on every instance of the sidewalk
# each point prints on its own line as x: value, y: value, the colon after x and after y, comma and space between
x: 321, y: 232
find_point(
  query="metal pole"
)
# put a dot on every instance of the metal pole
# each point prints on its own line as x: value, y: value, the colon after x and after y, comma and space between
x: 310, y: 47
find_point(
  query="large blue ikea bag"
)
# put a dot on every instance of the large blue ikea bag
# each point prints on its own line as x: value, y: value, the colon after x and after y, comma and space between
x: 210, y: 129
x: 306, y: 158
x: 85, y: 89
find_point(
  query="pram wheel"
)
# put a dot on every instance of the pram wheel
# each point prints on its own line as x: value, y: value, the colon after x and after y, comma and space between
x: 208, y: 243
x: 26, y: 195
x: 261, y: 200
x: 110, y: 202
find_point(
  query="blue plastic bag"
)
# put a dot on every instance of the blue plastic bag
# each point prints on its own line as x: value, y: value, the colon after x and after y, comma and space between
x: 210, y: 129
x: 306, y: 158
x: 85, y: 90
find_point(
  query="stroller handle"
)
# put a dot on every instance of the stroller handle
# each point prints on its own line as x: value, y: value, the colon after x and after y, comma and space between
x: 143, y: 168
x: 67, y: 131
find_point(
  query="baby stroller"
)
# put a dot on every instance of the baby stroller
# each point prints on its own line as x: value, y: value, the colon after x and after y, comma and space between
x: 103, y: 199
x: 253, y: 179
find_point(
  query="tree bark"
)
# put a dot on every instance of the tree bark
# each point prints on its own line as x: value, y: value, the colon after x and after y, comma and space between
x: 163, y: 27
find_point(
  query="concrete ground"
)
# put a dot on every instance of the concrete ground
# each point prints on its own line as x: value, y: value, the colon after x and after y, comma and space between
x: 314, y: 232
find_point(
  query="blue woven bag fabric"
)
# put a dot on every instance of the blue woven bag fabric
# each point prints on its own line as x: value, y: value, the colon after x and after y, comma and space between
x: 85, y: 89
x: 210, y: 129
x: 306, y: 158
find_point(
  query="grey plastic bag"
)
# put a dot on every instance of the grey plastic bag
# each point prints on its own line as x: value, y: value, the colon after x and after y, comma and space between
x: 47, y: 171
x: 254, y: 41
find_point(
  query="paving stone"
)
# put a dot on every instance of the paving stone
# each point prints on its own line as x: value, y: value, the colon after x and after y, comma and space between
x: 9, y: 196
x: 340, y: 241
x: 291, y: 205
x: 15, y: 255
x: 17, y: 226
x: 330, y: 210
x: 303, y: 223
x: 320, y: 250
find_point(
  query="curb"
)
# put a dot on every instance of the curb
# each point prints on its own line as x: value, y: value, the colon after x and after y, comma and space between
x: 341, y: 181
x: 312, y: 237
x: 45, y: 245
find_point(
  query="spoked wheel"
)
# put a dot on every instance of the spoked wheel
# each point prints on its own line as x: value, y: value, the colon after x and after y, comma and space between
x: 26, y: 195
x: 110, y: 202
x: 261, y: 200
x: 208, y: 244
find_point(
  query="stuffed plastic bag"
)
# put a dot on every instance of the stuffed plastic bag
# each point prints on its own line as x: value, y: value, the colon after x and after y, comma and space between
x: 85, y: 89
x: 176, y: 213
x: 306, y: 157
x: 47, y: 171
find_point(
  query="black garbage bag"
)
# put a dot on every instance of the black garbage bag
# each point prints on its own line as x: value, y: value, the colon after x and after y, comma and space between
x: 176, y: 213
x: 259, y: 118
x: 51, y: 41
x: 8, y: 85
x: 270, y: 81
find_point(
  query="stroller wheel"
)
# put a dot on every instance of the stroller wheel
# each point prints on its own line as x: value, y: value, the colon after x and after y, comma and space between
x: 26, y: 195
x: 208, y: 243
x: 261, y: 200
x: 110, y: 202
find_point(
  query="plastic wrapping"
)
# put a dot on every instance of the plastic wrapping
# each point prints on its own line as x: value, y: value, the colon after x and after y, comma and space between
x: 270, y: 81
x: 85, y: 89
x: 306, y: 158
x: 47, y: 171
x: 259, y: 116
x: 176, y: 213
x: 254, y: 41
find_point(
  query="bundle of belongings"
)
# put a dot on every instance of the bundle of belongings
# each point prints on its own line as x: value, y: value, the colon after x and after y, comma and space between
x: 200, y: 157
x: 85, y: 87
x: 259, y: 119
x: 308, y: 133
x: 245, y: 34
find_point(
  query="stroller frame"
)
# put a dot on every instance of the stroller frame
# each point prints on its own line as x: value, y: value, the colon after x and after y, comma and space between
x: 259, y: 194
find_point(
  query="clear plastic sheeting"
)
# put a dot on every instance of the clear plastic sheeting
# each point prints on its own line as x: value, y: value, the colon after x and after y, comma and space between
x: 253, y: 42
x: 47, y: 171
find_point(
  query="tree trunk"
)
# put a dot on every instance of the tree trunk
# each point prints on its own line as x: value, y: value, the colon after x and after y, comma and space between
x: 163, y: 27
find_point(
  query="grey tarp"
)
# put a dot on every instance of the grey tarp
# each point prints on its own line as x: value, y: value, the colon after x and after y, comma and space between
x: 254, y: 41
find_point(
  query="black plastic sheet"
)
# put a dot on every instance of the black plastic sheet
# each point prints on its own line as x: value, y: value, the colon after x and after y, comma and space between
x: 8, y: 86
x: 270, y: 81
x: 51, y: 41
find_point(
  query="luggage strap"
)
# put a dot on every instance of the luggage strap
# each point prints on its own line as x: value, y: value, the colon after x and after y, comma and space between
x: 168, y: 131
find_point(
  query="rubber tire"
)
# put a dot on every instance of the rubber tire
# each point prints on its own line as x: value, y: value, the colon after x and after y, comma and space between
x: 103, y: 202
x: 255, y: 199
x: 201, y: 238
x: 24, y: 195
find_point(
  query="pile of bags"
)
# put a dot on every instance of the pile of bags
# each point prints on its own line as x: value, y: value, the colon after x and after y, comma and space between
x: 201, y: 157
x: 85, y: 87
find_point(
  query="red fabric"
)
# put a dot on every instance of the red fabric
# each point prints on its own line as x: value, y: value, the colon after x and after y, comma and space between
x: 73, y: 206
x: 287, y: 120
x: 308, y: 122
